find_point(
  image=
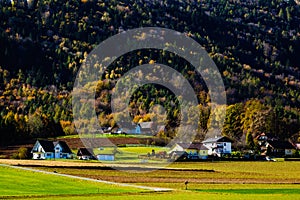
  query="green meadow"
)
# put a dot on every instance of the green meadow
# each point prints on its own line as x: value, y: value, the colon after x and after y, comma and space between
x: 251, y: 194
x: 130, y: 154
x: 17, y: 182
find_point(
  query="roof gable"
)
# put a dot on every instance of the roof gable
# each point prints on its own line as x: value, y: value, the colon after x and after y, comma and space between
x: 48, y: 146
x: 217, y: 139
x: 203, y: 147
x: 198, y: 146
x: 63, y: 145
x: 85, y: 152
x: 146, y: 125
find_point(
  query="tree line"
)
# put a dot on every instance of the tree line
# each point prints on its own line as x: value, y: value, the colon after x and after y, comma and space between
x: 255, y: 45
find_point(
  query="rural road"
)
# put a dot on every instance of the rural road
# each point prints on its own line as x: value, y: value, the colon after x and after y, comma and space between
x: 156, y: 189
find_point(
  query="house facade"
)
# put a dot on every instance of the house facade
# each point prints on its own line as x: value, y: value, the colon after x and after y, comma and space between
x: 193, y: 150
x: 279, y: 148
x: 44, y: 149
x: 218, y: 146
x: 272, y: 146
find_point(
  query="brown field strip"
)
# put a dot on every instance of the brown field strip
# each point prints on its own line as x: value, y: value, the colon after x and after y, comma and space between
x: 196, y: 173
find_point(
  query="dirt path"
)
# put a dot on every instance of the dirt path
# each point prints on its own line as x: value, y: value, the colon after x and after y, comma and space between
x: 50, y: 163
x: 155, y: 189
x: 89, y: 165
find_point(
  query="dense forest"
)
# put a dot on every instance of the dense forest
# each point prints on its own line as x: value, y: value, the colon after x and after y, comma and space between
x: 255, y: 45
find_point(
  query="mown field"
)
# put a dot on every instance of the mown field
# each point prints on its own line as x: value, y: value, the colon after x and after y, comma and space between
x: 213, y: 180
x: 196, y: 173
x: 212, y: 194
x: 20, y: 183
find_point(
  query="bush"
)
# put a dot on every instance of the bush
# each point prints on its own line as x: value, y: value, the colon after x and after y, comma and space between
x: 236, y: 154
x: 297, y: 153
x: 23, y: 153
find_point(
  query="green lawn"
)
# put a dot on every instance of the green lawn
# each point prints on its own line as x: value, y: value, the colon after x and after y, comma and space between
x: 130, y: 154
x: 195, y: 195
x: 144, y: 149
x: 16, y: 182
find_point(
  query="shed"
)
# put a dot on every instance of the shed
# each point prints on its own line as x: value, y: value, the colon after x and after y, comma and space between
x: 85, y: 154
x: 280, y: 148
x: 106, y: 157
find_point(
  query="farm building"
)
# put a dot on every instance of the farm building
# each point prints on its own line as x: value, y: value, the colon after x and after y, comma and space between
x: 273, y: 146
x: 150, y: 128
x: 144, y: 128
x: 106, y: 157
x: 279, y: 148
x: 218, y: 146
x: 85, y: 154
x: 44, y: 149
x: 175, y: 155
x: 193, y: 150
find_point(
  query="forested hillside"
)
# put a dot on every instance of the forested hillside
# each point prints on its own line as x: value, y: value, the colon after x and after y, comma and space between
x: 255, y: 45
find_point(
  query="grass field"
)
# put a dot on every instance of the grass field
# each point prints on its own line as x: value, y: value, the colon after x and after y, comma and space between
x: 130, y: 154
x: 212, y: 194
x: 224, y: 180
x: 134, y: 149
x: 15, y: 182
x: 199, y: 173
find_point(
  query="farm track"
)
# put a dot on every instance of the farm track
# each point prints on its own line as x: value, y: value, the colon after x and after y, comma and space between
x: 96, y: 165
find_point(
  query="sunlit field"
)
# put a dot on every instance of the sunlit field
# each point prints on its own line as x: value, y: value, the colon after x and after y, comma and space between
x: 213, y: 180
x: 16, y: 182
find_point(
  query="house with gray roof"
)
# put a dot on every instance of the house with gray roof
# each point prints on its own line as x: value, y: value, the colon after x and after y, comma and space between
x: 85, y: 154
x: 142, y: 128
x: 193, y: 150
x: 218, y: 146
x: 44, y: 149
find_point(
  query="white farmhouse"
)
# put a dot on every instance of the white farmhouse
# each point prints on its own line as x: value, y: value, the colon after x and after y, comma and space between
x: 218, y: 146
x: 44, y: 149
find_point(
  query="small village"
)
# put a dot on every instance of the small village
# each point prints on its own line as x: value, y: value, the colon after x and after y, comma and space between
x: 150, y: 99
x: 212, y: 148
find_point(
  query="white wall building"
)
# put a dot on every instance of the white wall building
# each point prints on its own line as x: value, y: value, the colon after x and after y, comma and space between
x: 218, y: 146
